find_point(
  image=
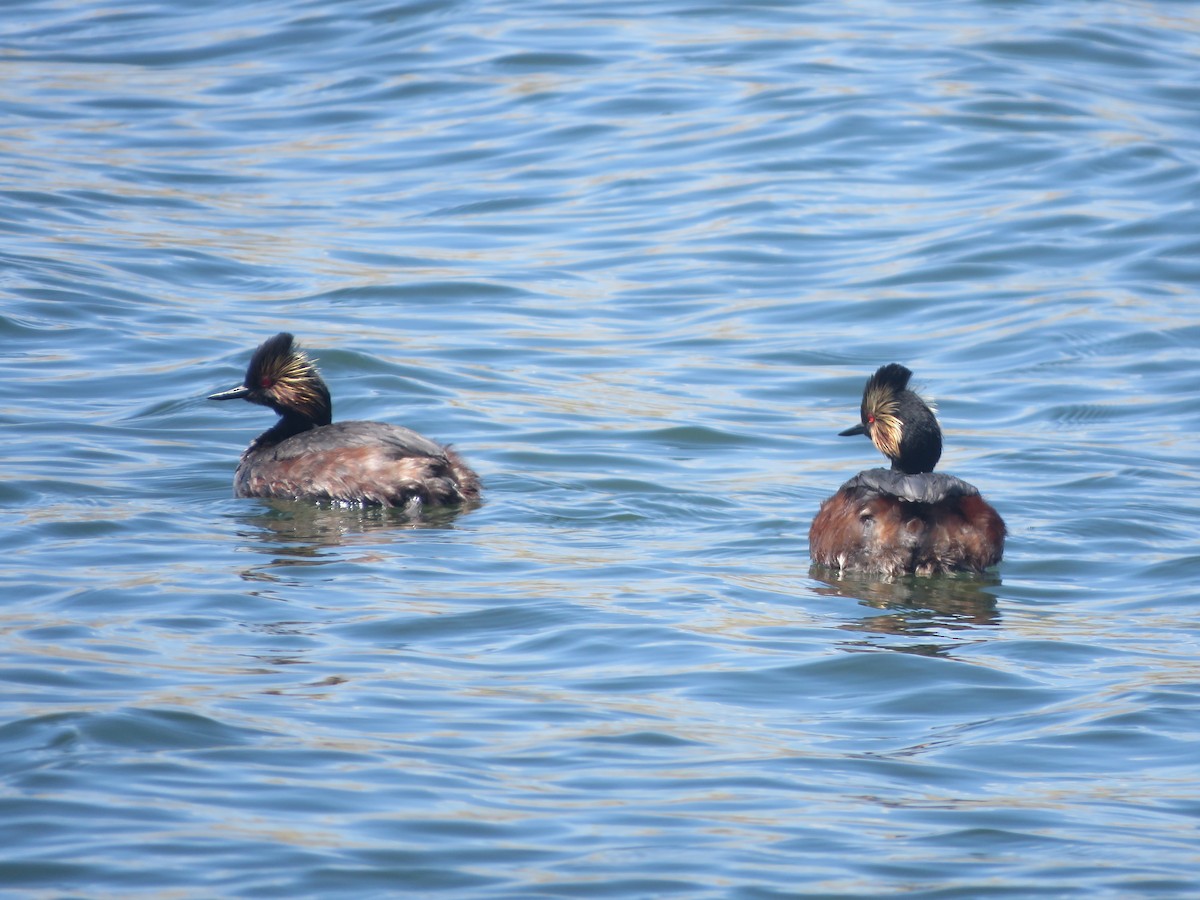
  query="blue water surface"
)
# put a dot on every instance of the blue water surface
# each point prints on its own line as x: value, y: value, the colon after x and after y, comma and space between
x: 635, y: 261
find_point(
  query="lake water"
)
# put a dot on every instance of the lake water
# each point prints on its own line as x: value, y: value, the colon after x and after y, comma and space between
x: 635, y: 261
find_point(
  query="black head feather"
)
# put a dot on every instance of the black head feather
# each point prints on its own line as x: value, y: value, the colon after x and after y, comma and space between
x: 281, y: 376
x: 898, y: 422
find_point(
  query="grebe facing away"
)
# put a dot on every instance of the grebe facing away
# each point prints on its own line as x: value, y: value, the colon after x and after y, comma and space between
x: 304, y: 457
x: 906, y: 518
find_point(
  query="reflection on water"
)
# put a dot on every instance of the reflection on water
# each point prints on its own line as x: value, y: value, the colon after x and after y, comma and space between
x: 303, y: 529
x: 916, y: 606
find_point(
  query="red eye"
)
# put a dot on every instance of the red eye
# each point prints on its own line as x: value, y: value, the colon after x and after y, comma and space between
x: 870, y: 419
x: 265, y: 381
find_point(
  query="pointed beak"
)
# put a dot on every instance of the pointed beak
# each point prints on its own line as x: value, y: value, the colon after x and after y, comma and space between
x: 238, y: 393
x: 860, y: 428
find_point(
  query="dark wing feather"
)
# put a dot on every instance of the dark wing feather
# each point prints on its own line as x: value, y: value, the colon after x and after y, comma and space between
x: 399, y: 441
x: 928, y: 487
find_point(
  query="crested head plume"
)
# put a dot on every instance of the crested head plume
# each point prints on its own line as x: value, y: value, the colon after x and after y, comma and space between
x: 278, y: 359
x: 283, y: 377
x: 892, y: 376
x: 899, y: 423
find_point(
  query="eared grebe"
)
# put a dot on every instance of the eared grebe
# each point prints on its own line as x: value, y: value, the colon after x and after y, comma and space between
x: 304, y: 457
x: 906, y: 518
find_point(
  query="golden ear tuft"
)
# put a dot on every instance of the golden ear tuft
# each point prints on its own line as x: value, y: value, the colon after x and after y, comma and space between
x: 881, y: 407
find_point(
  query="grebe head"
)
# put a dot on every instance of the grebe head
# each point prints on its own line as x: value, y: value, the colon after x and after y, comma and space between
x: 282, y: 377
x: 899, y: 423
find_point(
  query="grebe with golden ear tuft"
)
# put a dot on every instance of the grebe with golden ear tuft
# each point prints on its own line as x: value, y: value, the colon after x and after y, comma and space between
x: 906, y: 519
x: 305, y: 456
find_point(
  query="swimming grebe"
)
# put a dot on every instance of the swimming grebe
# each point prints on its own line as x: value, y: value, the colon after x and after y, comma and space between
x: 906, y: 518
x: 304, y: 457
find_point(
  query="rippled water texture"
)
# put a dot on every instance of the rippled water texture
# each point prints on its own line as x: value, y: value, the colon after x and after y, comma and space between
x: 635, y: 262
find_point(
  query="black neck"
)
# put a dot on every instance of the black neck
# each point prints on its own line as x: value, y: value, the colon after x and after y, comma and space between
x: 289, y: 424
